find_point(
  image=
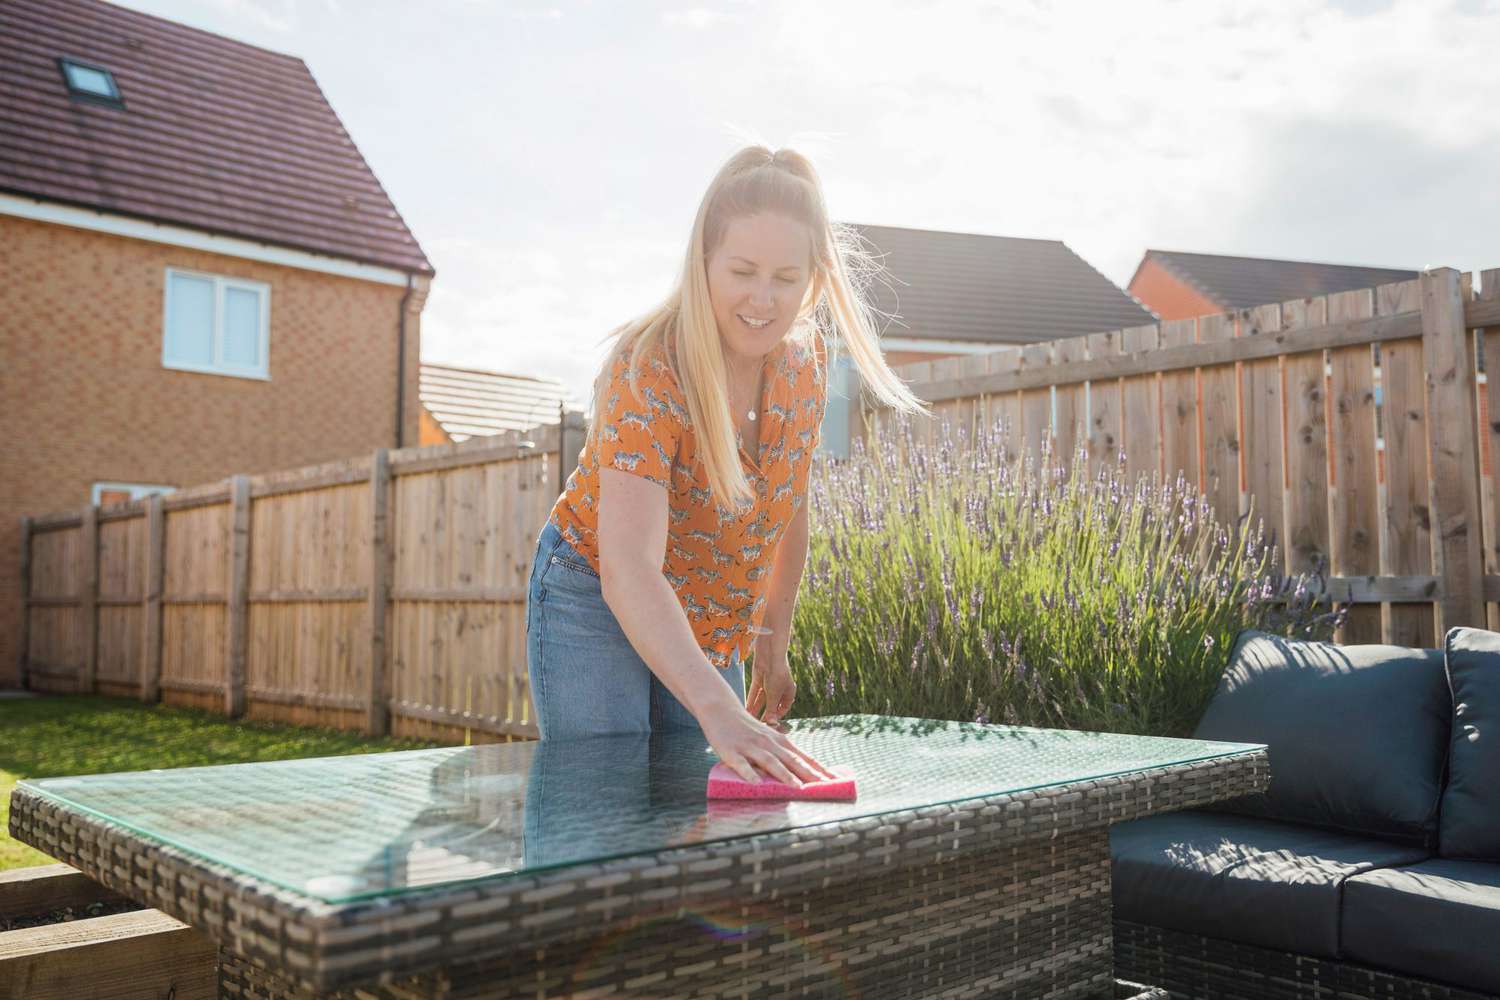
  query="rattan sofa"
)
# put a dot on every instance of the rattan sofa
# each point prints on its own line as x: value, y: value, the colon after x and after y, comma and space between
x: 1371, y: 868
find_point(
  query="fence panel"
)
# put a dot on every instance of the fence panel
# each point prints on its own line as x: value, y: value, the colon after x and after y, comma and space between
x: 195, y: 604
x: 1453, y: 448
x: 1036, y: 404
x: 1405, y: 506
x: 308, y: 605
x: 1140, y: 408
x: 389, y: 591
x: 56, y: 630
x: 122, y: 575
x: 1104, y: 401
x: 1263, y: 402
x: 977, y: 416
x: 1004, y: 408
x: 958, y: 412
x: 1071, y: 404
x: 1489, y: 342
x: 1179, y: 408
x: 1353, y: 513
x: 1218, y: 385
x: 1306, y: 502
x: 1280, y: 401
x: 924, y: 432
x: 463, y: 538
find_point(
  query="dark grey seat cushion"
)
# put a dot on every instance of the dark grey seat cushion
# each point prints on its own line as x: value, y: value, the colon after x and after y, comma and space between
x: 1438, y: 920
x: 1470, y: 817
x: 1357, y: 735
x: 1243, y: 879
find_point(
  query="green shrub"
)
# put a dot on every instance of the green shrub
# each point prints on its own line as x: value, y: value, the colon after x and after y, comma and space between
x: 948, y: 581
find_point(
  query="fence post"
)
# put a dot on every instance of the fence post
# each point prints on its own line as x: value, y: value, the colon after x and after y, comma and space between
x: 378, y: 722
x: 570, y: 435
x: 89, y: 601
x: 1453, y: 446
x: 239, y: 593
x: 23, y: 662
x: 1489, y: 436
x: 151, y: 607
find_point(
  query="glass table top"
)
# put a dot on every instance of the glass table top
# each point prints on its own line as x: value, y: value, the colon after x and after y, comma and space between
x: 363, y: 826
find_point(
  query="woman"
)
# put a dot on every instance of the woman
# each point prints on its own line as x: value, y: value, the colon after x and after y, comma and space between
x: 679, y: 543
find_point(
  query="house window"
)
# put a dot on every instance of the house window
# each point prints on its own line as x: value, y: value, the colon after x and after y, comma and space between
x: 842, y: 386
x: 108, y: 493
x: 90, y: 83
x: 217, y: 325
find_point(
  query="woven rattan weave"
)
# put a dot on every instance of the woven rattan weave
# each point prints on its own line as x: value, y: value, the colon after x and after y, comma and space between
x: 1002, y: 893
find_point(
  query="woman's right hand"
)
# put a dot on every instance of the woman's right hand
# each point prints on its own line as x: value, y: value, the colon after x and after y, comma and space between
x: 746, y: 744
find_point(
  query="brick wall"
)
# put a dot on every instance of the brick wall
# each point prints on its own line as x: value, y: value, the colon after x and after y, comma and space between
x: 1169, y: 296
x: 84, y: 396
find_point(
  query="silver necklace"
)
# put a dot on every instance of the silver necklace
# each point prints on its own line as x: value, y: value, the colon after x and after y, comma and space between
x: 750, y: 413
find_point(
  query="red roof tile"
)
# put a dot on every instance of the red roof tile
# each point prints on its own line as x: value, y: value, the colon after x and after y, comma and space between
x: 214, y: 134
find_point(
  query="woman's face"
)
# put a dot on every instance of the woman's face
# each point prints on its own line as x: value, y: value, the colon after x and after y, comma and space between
x: 759, y: 272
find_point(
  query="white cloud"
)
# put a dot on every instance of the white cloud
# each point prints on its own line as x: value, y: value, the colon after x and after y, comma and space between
x: 695, y: 17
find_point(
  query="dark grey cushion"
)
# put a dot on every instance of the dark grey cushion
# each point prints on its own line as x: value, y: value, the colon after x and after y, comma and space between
x: 1242, y: 879
x: 1357, y: 735
x: 1470, y: 818
x: 1438, y: 920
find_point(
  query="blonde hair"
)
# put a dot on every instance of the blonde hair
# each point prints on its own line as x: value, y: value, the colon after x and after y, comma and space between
x: 753, y: 181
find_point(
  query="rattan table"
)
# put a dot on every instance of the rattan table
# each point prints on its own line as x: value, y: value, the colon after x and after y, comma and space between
x: 974, y: 863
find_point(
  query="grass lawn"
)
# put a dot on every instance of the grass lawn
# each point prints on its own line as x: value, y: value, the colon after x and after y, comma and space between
x: 72, y: 734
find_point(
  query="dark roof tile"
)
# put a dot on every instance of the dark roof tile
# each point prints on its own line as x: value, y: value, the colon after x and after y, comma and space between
x: 995, y: 289
x: 215, y: 134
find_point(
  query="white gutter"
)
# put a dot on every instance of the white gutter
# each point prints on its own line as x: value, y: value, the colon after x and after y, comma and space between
x: 940, y: 346
x: 194, y: 239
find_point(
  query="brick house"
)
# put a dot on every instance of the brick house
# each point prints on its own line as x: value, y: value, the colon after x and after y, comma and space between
x: 948, y: 294
x: 199, y: 273
x: 1184, y: 285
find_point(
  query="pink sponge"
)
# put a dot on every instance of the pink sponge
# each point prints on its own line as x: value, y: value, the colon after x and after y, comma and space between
x: 724, y: 783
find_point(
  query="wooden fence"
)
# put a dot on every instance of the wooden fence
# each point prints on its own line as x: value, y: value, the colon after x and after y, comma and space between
x: 1277, y: 406
x: 387, y: 593
x: 384, y: 593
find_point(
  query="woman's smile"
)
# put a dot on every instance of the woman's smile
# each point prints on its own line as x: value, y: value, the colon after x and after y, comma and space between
x: 757, y: 278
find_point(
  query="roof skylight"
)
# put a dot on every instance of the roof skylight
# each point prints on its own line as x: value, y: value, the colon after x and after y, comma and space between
x: 91, y: 83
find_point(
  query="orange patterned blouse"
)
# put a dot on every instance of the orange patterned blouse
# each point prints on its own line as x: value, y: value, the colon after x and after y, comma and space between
x: 718, y: 562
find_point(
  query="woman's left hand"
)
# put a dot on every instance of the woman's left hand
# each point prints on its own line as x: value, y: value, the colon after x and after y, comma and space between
x: 772, y: 689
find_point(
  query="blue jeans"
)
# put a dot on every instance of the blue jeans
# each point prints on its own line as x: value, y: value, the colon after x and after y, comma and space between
x: 586, y: 677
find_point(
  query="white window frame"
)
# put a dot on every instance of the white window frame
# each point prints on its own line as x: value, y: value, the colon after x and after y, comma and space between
x: 221, y: 283
x: 136, y: 490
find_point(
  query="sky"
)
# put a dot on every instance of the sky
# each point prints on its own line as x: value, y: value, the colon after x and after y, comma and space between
x: 550, y: 157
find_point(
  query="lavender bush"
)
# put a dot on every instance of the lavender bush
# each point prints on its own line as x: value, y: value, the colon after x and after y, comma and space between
x: 950, y: 582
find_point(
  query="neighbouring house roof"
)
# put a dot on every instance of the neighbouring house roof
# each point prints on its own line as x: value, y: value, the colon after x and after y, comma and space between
x: 471, y: 402
x: 1242, y: 282
x: 213, y: 134
x: 998, y: 289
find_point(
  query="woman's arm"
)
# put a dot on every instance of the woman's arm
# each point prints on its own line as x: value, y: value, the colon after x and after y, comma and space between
x: 786, y: 577
x: 632, y: 548
x: 772, y: 689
